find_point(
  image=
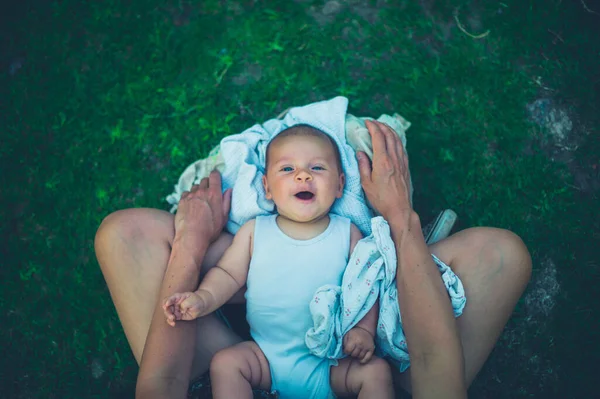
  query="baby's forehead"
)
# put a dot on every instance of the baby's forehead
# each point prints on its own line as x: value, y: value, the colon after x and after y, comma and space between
x: 324, y: 146
x: 327, y: 147
x: 307, y: 137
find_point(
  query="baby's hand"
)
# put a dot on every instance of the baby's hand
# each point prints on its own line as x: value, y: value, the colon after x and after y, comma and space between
x: 359, y: 344
x: 183, y: 306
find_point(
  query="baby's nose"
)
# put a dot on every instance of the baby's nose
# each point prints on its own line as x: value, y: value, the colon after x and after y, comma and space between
x: 303, y: 176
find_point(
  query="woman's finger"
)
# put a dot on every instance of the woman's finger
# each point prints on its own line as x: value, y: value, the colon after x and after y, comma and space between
x: 214, y: 180
x: 226, y: 203
x: 390, y: 139
x: 377, y: 138
x: 203, y: 184
x: 401, y: 152
x: 394, y: 145
x: 364, y: 167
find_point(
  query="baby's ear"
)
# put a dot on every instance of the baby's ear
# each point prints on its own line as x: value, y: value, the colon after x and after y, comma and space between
x: 342, y: 182
x: 266, y: 187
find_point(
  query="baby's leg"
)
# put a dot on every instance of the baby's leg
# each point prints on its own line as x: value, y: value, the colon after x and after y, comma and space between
x: 370, y: 380
x: 234, y: 371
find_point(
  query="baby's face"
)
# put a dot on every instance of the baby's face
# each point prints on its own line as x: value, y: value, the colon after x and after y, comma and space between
x: 303, y: 177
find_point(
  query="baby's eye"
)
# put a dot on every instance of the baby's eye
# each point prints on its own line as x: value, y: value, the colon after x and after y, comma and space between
x: 318, y: 168
x: 287, y: 169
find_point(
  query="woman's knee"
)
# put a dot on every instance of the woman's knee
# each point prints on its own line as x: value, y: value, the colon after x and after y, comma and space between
x: 126, y: 232
x: 114, y: 227
x: 486, y: 251
x: 136, y: 224
x: 515, y: 256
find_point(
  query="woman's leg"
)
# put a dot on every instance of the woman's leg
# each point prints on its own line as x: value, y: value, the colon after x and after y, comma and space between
x: 494, y: 266
x: 133, y: 248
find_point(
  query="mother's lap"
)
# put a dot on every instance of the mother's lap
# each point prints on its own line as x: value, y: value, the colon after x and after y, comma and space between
x: 133, y: 249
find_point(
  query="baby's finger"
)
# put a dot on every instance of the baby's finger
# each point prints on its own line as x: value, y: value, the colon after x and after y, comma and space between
x: 349, y: 348
x: 361, y: 355
x: 346, y: 350
x: 367, y: 357
x: 170, y: 301
x: 185, y: 311
x: 177, y: 312
x: 181, y: 297
x: 356, y: 352
x: 187, y: 302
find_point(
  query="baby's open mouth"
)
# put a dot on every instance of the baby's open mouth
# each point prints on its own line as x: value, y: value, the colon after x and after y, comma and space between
x: 304, y: 195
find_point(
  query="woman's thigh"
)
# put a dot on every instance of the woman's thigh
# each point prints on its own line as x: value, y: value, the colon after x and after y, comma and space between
x: 133, y: 248
x: 494, y: 266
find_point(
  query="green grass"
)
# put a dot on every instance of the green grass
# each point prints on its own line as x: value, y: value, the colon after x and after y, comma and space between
x: 115, y: 98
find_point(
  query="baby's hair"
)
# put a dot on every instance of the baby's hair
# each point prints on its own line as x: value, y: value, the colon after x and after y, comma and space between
x: 305, y: 130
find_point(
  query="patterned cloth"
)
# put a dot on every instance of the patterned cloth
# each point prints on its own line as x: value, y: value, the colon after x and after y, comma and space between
x: 370, y: 274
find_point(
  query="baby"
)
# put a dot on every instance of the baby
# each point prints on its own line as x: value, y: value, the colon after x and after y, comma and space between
x: 283, y: 259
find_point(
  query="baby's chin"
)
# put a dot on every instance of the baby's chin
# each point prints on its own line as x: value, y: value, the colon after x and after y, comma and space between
x: 304, y: 218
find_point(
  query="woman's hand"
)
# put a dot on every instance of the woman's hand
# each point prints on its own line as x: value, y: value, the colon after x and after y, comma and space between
x: 203, y: 211
x: 387, y: 181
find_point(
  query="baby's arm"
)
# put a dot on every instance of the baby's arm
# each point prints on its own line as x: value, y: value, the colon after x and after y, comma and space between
x: 359, y: 342
x: 220, y: 283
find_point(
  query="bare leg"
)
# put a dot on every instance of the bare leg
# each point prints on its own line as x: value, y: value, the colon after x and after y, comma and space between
x: 234, y: 371
x: 133, y: 248
x: 494, y: 266
x: 370, y: 380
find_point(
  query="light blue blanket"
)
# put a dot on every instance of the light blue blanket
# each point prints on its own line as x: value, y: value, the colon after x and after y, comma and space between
x: 244, y: 156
